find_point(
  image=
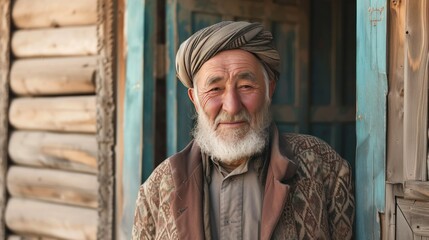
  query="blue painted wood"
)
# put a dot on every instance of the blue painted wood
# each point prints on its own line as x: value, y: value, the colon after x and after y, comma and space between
x: 371, y: 116
x: 321, y: 52
x: 139, y: 104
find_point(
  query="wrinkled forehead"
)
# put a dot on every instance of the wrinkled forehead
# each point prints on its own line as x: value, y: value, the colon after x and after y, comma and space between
x: 229, y: 63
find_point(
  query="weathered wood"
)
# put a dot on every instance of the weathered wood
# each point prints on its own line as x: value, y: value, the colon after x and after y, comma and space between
x: 389, y: 220
x: 395, y: 116
x: 68, y: 114
x: 29, y: 237
x: 73, y: 152
x: 120, y: 107
x: 416, y: 190
x: 416, y: 90
x: 403, y: 230
x: 105, y: 82
x: 5, y: 29
x: 416, y: 214
x: 46, y: 76
x: 24, y: 216
x: 140, y: 95
x: 371, y: 87
x: 58, y: 13
x: 79, y: 189
x: 70, y: 41
x: 395, y: 103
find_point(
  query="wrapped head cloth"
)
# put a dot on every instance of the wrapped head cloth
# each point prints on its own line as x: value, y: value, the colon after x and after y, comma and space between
x: 228, y: 35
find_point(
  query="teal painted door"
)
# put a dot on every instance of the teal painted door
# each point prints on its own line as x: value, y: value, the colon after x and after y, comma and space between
x: 316, y: 90
x: 139, y: 105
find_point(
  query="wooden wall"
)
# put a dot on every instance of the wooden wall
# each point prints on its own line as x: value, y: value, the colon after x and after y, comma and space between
x: 407, y: 186
x: 4, y: 102
x: 53, y: 175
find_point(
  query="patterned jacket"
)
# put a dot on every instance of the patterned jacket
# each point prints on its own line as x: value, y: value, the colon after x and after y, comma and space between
x: 308, y: 194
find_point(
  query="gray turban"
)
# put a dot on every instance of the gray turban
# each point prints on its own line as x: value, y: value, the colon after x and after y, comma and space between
x: 207, y: 42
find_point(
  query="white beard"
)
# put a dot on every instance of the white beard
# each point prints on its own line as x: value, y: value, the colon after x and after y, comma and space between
x: 232, y: 145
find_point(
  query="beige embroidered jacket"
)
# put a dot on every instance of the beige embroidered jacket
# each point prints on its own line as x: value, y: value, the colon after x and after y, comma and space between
x: 308, y: 194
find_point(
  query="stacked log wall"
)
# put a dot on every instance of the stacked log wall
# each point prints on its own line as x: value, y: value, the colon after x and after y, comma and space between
x: 52, y: 179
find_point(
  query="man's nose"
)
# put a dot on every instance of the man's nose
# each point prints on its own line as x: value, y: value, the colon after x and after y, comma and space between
x: 232, y: 102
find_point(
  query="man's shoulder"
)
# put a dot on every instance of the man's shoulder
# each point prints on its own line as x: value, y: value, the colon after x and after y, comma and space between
x: 313, y: 155
x: 302, y: 143
x: 161, y: 175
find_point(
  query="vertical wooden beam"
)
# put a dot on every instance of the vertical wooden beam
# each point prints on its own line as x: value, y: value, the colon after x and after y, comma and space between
x: 179, y: 107
x: 5, y: 11
x: 139, y: 104
x: 371, y: 116
x: 105, y: 103
x: 120, y: 101
x: 416, y: 90
x: 395, y: 118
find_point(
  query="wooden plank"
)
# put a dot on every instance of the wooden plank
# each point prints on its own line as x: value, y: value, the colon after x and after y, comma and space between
x: 416, y: 90
x: 370, y: 116
x: 416, y: 190
x: 389, y: 221
x: 403, y: 230
x: 139, y: 111
x: 394, y: 161
x: 24, y: 216
x: 48, y: 13
x: 29, y: 237
x: 70, y: 41
x: 5, y: 29
x: 263, y: 11
x: 65, y: 114
x: 333, y: 113
x: 120, y: 104
x: 106, y: 104
x: 416, y: 214
x: 78, y: 189
x: 72, y: 152
x: 395, y: 97
x: 53, y: 76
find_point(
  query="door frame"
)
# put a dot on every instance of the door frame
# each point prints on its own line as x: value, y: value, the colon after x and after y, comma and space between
x: 371, y: 97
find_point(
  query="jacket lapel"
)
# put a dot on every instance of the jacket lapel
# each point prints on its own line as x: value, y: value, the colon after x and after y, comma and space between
x: 280, y: 169
x: 187, y: 200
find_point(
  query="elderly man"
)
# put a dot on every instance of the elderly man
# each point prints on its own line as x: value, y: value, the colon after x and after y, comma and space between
x: 240, y: 178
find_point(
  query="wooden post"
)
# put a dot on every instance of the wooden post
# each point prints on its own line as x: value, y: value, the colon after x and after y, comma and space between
x: 72, y: 152
x: 25, y: 216
x: 416, y: 90
x: 395, y: 115
x: 139, y: 131
x: 105, y: 102
x: 68, y: 114
x: 5, y: 28
x: 78, y: 189
x: 371, y: 78
x: 58, y: 13
x: 53, y: 76
x: 50, y: 42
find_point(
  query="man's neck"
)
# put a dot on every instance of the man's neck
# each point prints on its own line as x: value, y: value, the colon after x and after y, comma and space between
x: 229, y: 167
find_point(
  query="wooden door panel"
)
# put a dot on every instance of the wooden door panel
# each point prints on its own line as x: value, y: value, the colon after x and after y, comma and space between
x: 416, y: 215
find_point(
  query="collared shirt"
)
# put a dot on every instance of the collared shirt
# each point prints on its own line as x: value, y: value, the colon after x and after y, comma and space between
x: 236, y: 201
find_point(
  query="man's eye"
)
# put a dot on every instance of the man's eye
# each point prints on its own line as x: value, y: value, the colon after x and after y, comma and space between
x: 246, y: 87
x: 214, y: 89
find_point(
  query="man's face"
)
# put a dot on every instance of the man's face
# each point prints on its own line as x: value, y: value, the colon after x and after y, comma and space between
x: 232, y: 95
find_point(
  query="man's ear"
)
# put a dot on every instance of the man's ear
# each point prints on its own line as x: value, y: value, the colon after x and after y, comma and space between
x: 191, y: 97
x: 272, y: 86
